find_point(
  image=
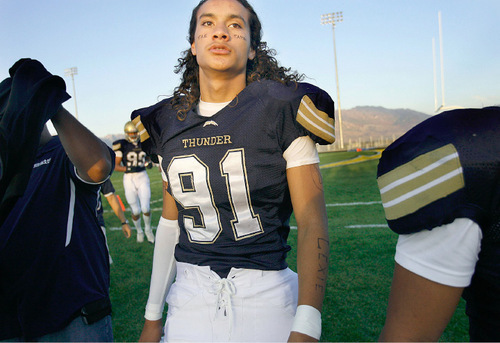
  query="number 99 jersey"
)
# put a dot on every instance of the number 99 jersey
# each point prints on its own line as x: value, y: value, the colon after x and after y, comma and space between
x: 227, y: 172
x: 133, y: 157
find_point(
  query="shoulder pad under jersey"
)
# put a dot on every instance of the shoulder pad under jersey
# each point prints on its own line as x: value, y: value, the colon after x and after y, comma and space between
x: 149, y: 129
x: 444, y: 168
x: 118, y: 144
x: 312, y: 107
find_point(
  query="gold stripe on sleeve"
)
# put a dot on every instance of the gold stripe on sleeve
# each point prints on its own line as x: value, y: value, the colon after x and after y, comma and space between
x: 315, y: 120
x: 420, y: 182
x: 142, y: 130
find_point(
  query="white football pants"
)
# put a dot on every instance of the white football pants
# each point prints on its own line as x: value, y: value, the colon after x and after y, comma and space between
x: 137, y: 191
x: 248, y: 306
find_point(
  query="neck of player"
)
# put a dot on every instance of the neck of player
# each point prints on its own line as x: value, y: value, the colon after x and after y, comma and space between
x: 220, y: 87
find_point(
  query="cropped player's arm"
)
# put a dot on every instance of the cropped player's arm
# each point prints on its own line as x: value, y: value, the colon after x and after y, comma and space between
x: 432, y: 269
x: 164, y: 269
x: 418, y: 309
x: 306, y: 190
x: 115, y: 205
x: 88, y: 153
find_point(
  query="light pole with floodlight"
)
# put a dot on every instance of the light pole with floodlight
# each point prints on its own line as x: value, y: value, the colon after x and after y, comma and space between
x: 333, y: 19
x: 71, y: 72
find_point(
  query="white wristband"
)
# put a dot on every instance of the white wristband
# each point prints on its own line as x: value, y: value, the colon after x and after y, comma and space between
x: 307, y: 321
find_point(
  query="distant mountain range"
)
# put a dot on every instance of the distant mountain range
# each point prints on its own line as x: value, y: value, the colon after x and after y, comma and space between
x: 360, y: 123
x: 109, y: 139
x: 366, y: 122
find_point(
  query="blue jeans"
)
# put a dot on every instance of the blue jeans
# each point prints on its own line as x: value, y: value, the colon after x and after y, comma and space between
x: 78, y: 331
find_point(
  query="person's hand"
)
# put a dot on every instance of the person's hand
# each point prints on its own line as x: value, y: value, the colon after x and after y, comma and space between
x: 126, y: 230
x: 300, y: 337
x: 151, y: 331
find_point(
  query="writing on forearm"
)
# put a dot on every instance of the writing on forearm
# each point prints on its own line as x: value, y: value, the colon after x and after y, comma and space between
x: 323, y: 253
x: 317, y: 178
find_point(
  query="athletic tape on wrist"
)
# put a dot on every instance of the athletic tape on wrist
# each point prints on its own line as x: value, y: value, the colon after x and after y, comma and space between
x: 307, y: 321
x: 153, y: 312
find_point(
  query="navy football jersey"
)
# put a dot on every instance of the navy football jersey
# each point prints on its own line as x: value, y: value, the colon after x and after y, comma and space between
x: 53, y: 254
x: 445, y: 168
x: 133, y: 157
x: 227, y: 172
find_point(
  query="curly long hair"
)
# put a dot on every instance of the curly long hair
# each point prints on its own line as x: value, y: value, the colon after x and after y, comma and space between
x: 263, y: 66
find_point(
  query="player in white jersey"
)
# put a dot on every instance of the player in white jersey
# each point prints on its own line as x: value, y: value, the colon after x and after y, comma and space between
x: 132, y: 161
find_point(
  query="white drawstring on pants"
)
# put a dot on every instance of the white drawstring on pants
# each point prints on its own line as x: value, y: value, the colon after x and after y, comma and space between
x: 224, y: 289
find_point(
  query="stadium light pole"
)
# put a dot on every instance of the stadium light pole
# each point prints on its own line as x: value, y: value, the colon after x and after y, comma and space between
x: 332, y: 19
x: 71, y: 72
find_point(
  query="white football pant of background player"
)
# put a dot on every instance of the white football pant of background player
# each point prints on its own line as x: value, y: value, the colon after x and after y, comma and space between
x: 138, y: 194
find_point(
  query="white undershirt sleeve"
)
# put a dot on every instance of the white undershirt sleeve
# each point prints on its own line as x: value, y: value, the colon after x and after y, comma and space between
x: 446, y: 254
x: 162, y: 172
x: 301, y: 152
x: 162, y: 276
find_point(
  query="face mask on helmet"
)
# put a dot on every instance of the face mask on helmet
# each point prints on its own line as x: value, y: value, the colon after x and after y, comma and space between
x: 131, y: 132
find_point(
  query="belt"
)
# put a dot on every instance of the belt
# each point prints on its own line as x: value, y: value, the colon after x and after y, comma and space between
x: 95, y: 311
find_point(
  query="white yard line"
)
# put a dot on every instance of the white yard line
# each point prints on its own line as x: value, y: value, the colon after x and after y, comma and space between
x: 366, y: 203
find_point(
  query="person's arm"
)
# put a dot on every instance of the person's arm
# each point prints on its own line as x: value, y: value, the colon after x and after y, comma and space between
x: 115, y: 205
x: 313, y: 249
x: 418, y: 309
x: 119, y: 167
x: 88, y: 153
x: 167, y: 236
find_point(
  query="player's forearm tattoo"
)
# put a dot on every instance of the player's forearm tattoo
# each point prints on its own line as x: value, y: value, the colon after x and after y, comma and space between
x: 317, y: 178
x: 323, y: 250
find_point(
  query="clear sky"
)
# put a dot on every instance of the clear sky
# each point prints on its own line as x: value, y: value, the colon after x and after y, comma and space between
x: 126, y: 50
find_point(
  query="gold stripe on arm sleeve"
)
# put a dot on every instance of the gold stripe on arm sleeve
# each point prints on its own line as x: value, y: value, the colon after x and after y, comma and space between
x: 315, y: 120
x: 421, y: 181
x: 142, y: 131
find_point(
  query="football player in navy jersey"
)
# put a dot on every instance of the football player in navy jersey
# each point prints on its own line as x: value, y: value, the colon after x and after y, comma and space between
x: 236, y: 146
x: 440, y: 188
x: 132, y: 161
x: 54, y: 267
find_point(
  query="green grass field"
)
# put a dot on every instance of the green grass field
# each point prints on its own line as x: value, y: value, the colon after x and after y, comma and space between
x: 361, y: 258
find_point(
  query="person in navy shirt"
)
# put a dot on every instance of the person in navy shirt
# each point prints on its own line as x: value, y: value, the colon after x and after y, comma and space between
x: 54, y: 266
